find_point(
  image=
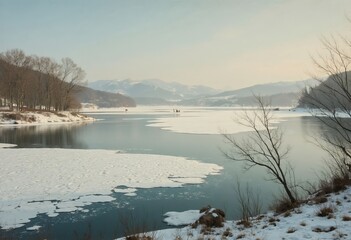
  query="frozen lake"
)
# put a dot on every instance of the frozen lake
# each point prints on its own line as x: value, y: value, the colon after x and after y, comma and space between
x: 193, y: 134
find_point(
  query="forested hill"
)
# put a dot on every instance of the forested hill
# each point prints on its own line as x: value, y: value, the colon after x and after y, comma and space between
x: 31, y: 82
x: 333, y: 93
x: 103, y: 99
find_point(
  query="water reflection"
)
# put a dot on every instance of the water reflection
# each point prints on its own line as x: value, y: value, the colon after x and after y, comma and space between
x: 42, y: 136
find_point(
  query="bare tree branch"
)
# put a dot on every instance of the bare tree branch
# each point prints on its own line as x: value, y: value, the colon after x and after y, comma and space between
x: 330, y: 103
x: 262, y: 147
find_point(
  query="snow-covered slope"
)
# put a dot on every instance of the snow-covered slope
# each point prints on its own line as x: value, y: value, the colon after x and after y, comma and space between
x: 304, y: 222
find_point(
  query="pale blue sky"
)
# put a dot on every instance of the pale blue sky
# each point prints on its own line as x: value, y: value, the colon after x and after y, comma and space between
x: 219, y: 43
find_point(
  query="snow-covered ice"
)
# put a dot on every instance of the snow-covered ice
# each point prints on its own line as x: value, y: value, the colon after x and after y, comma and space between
x: 198, y: 120
x: 50, y: 181
x: 182, y: 218
x: 145, y: 110
x: 207, y: 121
x: 126, y: 191
x: 33, y: 228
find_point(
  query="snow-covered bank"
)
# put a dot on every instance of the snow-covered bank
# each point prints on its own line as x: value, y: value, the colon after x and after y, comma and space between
x: 7, y: 145
x: 40, y: 117
x: 51, y: 181
x: 304, y: 222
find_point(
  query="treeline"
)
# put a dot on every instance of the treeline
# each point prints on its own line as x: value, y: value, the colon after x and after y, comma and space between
x: 333, y: 94
x: 33, y: 82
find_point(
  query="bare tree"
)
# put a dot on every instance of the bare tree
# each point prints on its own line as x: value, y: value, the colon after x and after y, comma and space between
x: 39, y: 66
x: 262, y: 147
x: 49, y: 82
x: 330, y: 102
x: 249, y: 202
x: 72, y: 76
x: 14, y: 73
x: 38, y: 82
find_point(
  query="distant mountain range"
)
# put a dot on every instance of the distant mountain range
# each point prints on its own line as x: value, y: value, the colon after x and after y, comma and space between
x: 152, y: 90
x: 279, y: 94
x: 157, y: 92
x: 269, y: 89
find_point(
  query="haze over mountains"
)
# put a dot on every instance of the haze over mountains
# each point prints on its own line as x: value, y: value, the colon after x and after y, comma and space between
x: 158, y: 92
x: 152, y: 90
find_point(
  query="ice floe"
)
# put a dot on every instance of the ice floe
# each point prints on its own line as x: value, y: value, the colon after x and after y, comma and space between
x: 50, y: 181
x: 205, y: 121
x: 33, y: 228
x: 182, y: 218
x: 7, y: 145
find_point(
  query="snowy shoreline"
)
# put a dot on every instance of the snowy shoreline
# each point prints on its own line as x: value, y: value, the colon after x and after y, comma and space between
x: 303, y: 222
x: 9, y: 118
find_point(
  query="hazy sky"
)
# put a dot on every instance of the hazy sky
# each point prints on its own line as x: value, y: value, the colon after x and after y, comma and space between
x: 219, y: 43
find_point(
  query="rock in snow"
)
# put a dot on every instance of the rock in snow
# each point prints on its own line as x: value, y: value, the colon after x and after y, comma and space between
x: 302, y: 222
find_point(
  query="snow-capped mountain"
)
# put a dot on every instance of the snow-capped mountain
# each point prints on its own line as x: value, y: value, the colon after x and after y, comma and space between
x: 152, y: 89
x: 158, y: 92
